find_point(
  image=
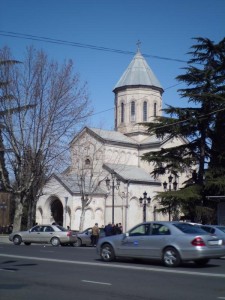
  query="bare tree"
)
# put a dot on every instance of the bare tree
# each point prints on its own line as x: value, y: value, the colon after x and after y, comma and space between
x: 38, y: 136
x: 88, y: 154
x: 87, y: 159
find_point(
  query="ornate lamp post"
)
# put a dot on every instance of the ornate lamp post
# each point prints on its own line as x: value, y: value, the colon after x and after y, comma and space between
x: 145, y: 202
x: 171, y: 185
x: 112, y: 184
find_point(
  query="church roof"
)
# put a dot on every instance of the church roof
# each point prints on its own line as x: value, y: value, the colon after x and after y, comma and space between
x: 138, y: 73
x: 70, y: 182
x: 131, y: 173
x: 113, y: 136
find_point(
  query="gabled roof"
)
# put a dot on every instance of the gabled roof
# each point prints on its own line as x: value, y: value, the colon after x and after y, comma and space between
x: 131, y: 173
x: 113, y: 136
x: 116, y: 137
x: 138, y: 73
x: 70, y: 183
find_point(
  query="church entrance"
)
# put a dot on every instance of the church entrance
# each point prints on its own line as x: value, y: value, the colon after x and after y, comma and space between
x: 57, y: 211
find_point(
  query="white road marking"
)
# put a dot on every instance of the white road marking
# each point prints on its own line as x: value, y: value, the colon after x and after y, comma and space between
x: 105, y: 265
x: 7, y: 270
x: 96, y: 282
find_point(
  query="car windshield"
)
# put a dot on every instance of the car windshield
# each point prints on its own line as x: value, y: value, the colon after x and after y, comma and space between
x: 188, y: 228
x: 222, y: 228
x: 61, y: 228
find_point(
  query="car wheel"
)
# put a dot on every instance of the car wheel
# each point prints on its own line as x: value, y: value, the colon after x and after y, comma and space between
x: 202, y: 262
x: 171, y: 257
x: 55, y: 242
x: 17, y: 240
x: 107, y: 253
x: 78, y: 243
x: 27, y: 243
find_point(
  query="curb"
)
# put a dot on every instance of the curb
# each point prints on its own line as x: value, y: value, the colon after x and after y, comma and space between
x: 4, y: 239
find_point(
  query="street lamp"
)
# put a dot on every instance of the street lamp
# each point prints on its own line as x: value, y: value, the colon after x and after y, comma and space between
x: 145, y: 201
x: 171, y: 185
x: 174, y: 184
x: 112, y: 185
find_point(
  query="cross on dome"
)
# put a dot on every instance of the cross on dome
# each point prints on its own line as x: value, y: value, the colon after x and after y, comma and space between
x: 138, y: 45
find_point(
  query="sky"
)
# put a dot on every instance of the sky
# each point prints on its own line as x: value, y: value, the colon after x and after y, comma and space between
x: 165, y: 28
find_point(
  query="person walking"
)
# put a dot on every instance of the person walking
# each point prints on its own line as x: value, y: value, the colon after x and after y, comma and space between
x: 108, y: 229
x: 95, y: 235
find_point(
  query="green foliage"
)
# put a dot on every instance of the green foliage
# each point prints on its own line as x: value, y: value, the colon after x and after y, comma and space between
x: 202, y: 128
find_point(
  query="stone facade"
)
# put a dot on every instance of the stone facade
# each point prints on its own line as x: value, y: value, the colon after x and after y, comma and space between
x: 79, y: 197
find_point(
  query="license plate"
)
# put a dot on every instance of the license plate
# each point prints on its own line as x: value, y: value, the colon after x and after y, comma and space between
x: 218, y: 242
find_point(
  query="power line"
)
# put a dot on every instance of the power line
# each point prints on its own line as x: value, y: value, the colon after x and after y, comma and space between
x: 80, y: 45
x: 186, y: 120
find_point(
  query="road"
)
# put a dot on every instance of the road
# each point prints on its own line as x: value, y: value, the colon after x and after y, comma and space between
x: 39, y: 272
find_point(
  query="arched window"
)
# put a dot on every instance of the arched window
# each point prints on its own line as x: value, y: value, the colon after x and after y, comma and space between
x: 87, y: 162
x: 145, y: 111
x: 132, y: 111
x: 155, y: 110
x: 122, y: 112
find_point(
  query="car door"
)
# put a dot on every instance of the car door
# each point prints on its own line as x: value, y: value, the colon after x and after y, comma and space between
x: 46, y: 234
x: 34, y: 235
x: 135, y: 242
x: 160, y: 237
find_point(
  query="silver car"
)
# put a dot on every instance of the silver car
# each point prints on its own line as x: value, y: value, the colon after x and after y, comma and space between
x: 170, y: 242
x: 218, y: 230
x: 53, y: 234
x: 84, y: 237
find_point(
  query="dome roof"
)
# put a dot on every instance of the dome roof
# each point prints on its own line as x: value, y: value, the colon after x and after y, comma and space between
x: 138, y: 73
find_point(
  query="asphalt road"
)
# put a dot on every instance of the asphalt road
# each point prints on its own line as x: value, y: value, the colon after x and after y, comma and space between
x: 39, y: 272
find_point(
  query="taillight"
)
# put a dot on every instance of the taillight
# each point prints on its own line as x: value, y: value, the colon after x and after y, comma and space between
x: 69, y: 233
x: 198, y: 241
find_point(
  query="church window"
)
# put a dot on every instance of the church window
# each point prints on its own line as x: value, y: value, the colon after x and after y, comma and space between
x: 87, y: 162
x: 122, y: 112
x: 132, y: 111
x: 155, y: 110
x: 145, y: 111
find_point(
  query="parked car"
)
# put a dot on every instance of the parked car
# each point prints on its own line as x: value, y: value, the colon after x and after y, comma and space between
x: 218, y: 230
x: 53, y: 234
x: 84, y: 237
x: 170, y: 242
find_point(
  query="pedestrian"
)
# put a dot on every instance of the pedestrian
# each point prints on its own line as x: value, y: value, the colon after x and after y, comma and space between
x: 121, y: 227
x: 113, y: 229
x: 95, y: 235
x: 117, y: 229
x: 108, y: 229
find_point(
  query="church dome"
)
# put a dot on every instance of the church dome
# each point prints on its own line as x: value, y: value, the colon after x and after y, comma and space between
x: 138, y: 73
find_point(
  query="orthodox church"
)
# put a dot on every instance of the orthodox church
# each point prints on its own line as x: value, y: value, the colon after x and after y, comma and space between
x: 107, y: 181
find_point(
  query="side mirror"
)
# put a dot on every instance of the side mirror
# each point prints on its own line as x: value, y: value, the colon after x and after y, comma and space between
x: 127, y: 234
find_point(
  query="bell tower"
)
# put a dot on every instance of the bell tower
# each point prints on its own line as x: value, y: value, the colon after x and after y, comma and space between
x: 138, y: 98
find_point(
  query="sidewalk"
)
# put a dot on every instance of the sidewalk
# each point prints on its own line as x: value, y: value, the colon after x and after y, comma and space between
x: 4, y: 239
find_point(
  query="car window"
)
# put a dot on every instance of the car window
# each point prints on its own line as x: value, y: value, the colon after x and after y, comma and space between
x: 188, y: 228
x: 208, y: 229
x: 36, y: 229
x: 61, y: 228
x: 143, y: 229
x: 48, y: 229
x: 159, y: 229
x: 222, y: 228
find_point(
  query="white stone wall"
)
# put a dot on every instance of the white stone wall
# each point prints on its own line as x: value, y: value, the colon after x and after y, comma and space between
x: 138, y: 95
